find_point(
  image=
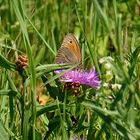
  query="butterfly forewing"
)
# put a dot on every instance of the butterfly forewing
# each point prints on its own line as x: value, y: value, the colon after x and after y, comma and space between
x: 65, y: 56
x: 69, y: 51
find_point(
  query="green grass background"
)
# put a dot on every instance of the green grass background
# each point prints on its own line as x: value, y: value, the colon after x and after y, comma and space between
x: 109, y: 35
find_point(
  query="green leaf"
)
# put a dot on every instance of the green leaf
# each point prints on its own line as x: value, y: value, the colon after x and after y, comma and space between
x: 6, y: 64
x: 3, y: 133
x: 50, y: 107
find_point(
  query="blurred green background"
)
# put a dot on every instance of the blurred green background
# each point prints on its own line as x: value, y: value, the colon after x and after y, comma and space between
x: 33, y: 103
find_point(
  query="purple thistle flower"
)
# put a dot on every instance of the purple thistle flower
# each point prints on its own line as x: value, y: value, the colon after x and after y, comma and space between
x: 75, y: 138
x: 89, y: 78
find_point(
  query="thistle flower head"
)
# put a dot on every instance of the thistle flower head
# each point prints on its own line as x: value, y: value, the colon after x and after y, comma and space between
x: 83, y: 77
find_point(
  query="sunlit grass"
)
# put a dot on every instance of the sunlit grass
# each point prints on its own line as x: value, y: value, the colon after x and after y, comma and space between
x: 33, y: 102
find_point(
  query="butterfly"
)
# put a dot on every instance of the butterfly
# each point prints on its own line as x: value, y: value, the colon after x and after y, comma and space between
x: 69, y: 52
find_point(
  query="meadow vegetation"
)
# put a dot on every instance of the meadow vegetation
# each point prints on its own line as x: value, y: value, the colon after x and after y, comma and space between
x: 33, y: 102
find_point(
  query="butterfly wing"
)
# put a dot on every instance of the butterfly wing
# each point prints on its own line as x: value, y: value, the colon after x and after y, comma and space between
x: 69, y: 51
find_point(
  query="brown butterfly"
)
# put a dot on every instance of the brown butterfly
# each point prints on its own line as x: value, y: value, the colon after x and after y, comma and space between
x: 69, y: 51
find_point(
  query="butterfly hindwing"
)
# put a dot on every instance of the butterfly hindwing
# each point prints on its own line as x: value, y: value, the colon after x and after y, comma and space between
x: 69, y: 51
